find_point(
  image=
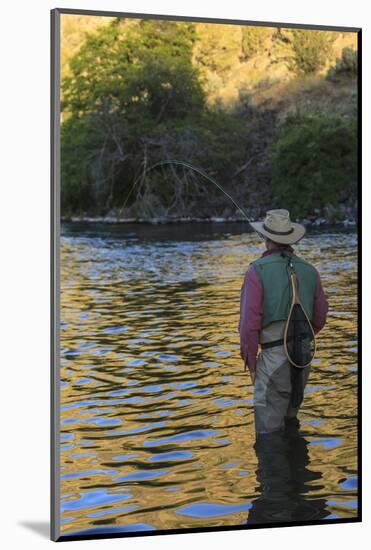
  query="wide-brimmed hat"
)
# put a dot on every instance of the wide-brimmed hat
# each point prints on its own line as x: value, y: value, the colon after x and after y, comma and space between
x: 278, y: 227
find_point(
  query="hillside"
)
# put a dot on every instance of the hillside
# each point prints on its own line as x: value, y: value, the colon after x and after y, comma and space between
x: 254, y: 81
x: 220, y: 56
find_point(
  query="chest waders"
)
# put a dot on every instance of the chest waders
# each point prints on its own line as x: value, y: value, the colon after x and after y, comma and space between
x: 299, y: 340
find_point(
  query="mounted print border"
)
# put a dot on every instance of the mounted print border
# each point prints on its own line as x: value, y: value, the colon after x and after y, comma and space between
x: 353, y: 251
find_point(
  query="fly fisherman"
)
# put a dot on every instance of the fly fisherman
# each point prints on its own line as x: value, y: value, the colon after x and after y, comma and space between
x: 264, y: 309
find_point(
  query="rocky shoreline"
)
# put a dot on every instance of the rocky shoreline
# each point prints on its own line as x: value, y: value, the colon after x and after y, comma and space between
x: 311, y: 222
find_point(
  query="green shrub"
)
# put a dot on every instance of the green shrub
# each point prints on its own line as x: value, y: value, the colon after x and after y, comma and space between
x: 311, y: 50
x: 314, y: 162
x: 123, y: 87
x: 346, y: 66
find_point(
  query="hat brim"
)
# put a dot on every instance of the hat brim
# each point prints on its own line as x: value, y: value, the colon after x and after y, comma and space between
x: 292, y: 238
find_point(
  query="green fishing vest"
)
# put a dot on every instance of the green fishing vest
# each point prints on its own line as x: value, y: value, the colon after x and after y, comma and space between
x: 274, y: 276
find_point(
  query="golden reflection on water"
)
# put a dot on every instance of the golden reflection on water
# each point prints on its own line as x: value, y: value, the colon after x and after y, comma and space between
x: 156, y: 411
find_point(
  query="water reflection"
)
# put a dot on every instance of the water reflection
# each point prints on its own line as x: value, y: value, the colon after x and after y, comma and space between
x: 285, y: 480
x: 156, y: 411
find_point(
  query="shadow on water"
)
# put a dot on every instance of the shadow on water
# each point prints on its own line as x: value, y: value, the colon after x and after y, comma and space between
x: 285, y: 480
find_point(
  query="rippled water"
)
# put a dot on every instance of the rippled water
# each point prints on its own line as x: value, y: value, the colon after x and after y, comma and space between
x: 156, y: 419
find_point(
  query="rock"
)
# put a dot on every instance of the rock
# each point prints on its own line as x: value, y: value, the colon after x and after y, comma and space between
x: 320, y: 221
x: 349, y: 222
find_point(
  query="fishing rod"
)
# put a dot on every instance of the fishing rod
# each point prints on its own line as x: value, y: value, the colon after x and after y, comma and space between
x: 188, y: 165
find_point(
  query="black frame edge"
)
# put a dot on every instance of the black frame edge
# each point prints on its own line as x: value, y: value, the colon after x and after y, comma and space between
x: 134, y: 15
x: 359, y: 269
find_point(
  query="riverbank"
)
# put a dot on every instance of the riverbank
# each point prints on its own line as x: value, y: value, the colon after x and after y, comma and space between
x: 315, y: 222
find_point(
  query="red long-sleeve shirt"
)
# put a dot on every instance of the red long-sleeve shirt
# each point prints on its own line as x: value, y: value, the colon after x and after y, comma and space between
x: 251, y: 312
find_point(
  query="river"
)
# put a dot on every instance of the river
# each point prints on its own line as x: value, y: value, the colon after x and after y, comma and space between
x: 156, y: 422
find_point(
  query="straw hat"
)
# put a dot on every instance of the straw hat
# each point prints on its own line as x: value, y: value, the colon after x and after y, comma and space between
x: 278, y: 227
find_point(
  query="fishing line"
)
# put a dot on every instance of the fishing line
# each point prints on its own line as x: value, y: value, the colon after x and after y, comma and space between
x: 188, y: 165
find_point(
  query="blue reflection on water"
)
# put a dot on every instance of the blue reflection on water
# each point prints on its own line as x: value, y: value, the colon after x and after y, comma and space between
x: 65, y: 437
x: 113, y: 529
x: 182, y: 385
x: 328, y: 443
x: 141, y: 475
x: 172, y: 455
x: 141, y: 428
x: 124, y: 457
x: 115, y: 329
x: 349, y: 483
x: 185, y: 436
x: 93, y: 498
x: 98, y: 420
x: 88, y: 472
x: 206, y: 509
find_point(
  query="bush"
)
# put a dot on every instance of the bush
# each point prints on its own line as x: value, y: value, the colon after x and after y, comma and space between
x: 311, y: 50
x: 253, y: 41
x: 122, y: 87
x: 346, y: 66
x: 315, y: 162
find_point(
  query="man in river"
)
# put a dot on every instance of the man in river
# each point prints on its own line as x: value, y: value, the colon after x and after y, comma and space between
x: 264, y: 307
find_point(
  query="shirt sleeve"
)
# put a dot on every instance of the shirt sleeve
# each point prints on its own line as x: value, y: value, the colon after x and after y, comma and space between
x: 320, y: 307
x: 251, y: 311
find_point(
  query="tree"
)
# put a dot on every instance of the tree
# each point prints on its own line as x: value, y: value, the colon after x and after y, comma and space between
x: 149, y: 65
x: 133, y: 99
x: 315, y: 162
x: 121, y: 87
x: 311, y: 50
x: 345, y: 67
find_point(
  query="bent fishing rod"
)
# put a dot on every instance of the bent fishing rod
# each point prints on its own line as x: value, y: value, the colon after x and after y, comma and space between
x: 188, y: 165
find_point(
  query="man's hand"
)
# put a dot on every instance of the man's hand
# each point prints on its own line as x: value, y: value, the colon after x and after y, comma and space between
x: 252, y: 375
x: 252, y: 371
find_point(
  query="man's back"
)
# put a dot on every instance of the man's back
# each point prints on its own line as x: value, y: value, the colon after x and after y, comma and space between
x: 262, y: 303
x: 274, y: 275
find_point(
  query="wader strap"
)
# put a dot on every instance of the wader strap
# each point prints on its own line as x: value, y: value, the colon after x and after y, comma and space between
x: 272, y: 344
